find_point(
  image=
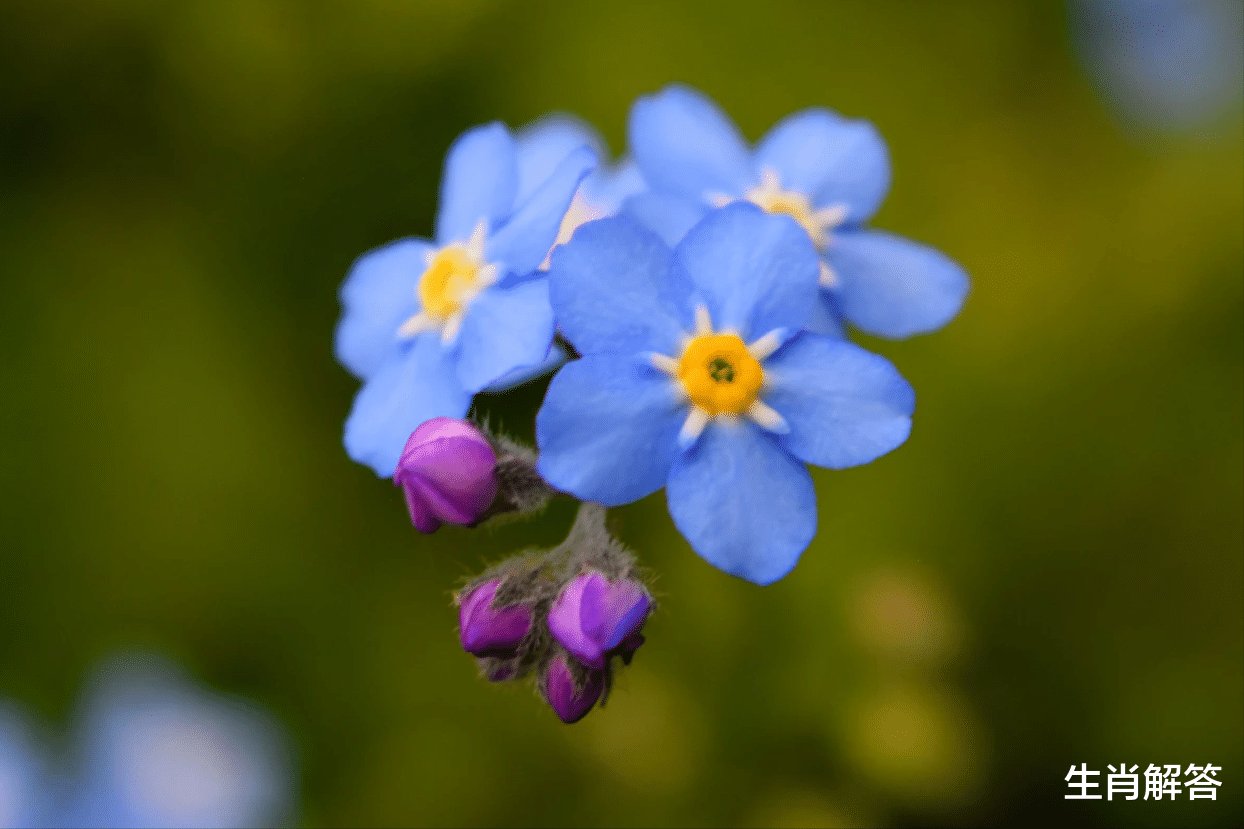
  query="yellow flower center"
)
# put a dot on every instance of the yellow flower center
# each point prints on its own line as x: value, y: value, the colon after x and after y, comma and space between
x: 451, y: 279
x: 719, y: 374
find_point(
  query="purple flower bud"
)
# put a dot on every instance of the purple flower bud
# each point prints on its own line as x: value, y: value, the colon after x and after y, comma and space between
x: 592, y: 616
x: 489, y: 631
x: 446, y: 472
x: 569, y: 702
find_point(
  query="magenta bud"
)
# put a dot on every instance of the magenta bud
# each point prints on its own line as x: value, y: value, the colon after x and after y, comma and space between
x: 447, y: 474
x: 593, y: 617
x: 568, y: 700
x: 490, y: 631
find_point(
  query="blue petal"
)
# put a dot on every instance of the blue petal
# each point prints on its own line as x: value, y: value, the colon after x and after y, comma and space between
x: 826, y: 318
x: 612, y: 290
x: 893, y: 287
x: 831, y: 159
x: 608, y: 429
x: 512, y: 379
x: 505, y: 328
x: 608, y: 187
x: 546, y: 143
x: 415, y: 386
x: 746, y: 506
x: 524, y: 240
x: 845, y: 406
x: 685, y: 145
x: 668, y: 216
x: 378, y: 295
x: 756, y: 272
x: 479, y: 182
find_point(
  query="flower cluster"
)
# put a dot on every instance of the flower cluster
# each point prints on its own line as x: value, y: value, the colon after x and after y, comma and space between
x: 694, y: 301
x: 561, y: 614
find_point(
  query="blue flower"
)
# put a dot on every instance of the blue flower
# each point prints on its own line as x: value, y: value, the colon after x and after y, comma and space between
x: 428, y: 324
x: 153, y: 750
x: 24, y: 801
x: 1172, y: 64
x: 697, y: 375
x: 829, y: 173
x: 157, y: 751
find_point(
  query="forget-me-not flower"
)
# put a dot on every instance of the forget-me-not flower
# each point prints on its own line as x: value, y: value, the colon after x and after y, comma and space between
x: 829, y: 173
x: 698, y: 375
x: 426, y: 324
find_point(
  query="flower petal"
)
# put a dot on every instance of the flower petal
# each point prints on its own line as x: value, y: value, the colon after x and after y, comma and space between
x: 416, y: 385
x: 547, y: 142
x: 378, y: 295
x: 505, y: 328
x: 744, y: 504
x: 608, y: 187
x: 685, y: 145
x: 620, y: 610
x: 523, y: 242
x: 479, y: 182
x: 845, y: 406
x: 670, y: 217
x: 422, y: 514
x: 831, y: 159
x: 565, y: 619
x: 612, y: 290
x: 608, y: 429
x: 826, y: 318
x: 756, y: 271
x: 512, y: 379
x: 893, y: 287
x: 440, y: 428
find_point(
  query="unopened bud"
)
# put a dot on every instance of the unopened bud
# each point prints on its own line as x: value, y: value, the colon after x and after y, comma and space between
x: 570, y: 696
x: 447, y: 474
x: 490, y: 631
x: 593, y: 618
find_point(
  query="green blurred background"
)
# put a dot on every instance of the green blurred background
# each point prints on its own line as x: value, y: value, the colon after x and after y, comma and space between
x: 1049, y: 572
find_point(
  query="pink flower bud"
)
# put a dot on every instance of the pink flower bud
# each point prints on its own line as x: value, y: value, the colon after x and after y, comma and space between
x: 570, y: 700
x: 489, y: 631
x: 593, y: 617
x: 446, y: 473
